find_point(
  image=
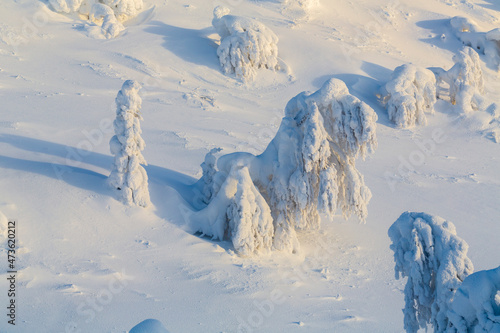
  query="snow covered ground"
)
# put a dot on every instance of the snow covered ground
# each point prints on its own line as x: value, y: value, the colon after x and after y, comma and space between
x: 87, y: 263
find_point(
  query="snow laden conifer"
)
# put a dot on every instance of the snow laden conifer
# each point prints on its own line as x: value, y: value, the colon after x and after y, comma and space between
x: 476, y: 304
x: 308, y: 168
x: 434, y: 259
x: 246, y: 44
x: 411, y: 94
x: 465, y: 79
x: 127, y: 175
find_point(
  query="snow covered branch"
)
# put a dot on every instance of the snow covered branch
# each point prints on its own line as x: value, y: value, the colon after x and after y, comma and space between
x: 410, y: 94
x: 434, y: 259
x: 127, y: 175
x: 465, y: 79
x: 308, y: 168
x: 246, y: 44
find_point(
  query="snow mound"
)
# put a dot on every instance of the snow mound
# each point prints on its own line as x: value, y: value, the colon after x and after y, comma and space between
x: 246, y: 44
x: 149, y: 326
x: 485, y: 43
x: 410, y: 94
x: 127, y: 175
x: 434, y: 259
x: 308, y: 168
x: 476, y: 306
x: 465, y: 79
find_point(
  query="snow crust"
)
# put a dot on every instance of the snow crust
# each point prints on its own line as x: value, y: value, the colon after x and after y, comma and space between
x: 434, y: 259
x: 127, y: 175
x: 410, y: 94
x: 246, y: 44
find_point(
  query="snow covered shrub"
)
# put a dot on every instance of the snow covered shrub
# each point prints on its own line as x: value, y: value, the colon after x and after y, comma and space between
x: 66, y: 6
x: 308, y: 168
x: 465, y: 79
x: 410, y: 93
x: 128, y: 176
x: 484, y: 43
x: 107, y: 24
x: 476, y: 305
x: 246, y: 45
x: 238, y: 212
x: 124, y: 9
x: 434, y: 259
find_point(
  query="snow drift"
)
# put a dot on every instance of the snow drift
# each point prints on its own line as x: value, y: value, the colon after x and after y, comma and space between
x: 434, y: 259
x: 246, y: 44
x: 308, y: 168
x: 410, y: 94
x: 127, y: 175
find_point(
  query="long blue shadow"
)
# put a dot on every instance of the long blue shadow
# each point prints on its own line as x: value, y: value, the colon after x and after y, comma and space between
x: 183, y: 184
x: 189, y: 44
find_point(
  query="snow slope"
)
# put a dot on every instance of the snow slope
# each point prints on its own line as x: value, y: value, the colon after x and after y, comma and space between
x: 87, y: 263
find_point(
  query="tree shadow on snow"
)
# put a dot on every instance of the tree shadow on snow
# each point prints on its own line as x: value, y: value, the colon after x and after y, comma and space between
x: 365, y: 88
x: 189, y: 44
x: 491, y: 4
x: 443, y: 36
x: 84, y: 178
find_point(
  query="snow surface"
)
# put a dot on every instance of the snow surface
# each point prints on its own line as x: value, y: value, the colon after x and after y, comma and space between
x: 57, y: 89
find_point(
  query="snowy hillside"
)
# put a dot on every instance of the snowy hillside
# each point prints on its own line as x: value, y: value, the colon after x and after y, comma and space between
x: 86, y: 262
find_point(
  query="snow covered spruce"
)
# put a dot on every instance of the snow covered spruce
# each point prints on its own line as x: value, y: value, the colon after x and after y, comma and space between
x: 465, y: 80
x: 441, y: 291
x: 434, y: 259
x: 105, y: 16
x: 309, y: 167
x: 476, y: 304
x: 409, y: 95
x: 246, y: 45
x: 127, y: 175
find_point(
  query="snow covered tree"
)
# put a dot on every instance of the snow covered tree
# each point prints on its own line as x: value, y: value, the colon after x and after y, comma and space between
x: 410, y: 94
x: 476, y: 304
x: 124, y: 9
x: 246, y: 44
x: 465, y: 79
x: 127, y: 175
x: 308, y: 168
x: 104, y: 17
x: 238, y: 212
x: 434, y: 259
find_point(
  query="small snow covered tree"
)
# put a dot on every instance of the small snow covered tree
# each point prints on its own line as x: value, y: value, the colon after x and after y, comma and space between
x: 238, y: 212
x: 246, y: 44
x: 476, y: 304
x: 410, y: 94
x: 308, y: 168
x: 128, y: 176
x: 465, y: 79
x: 434, y: 259
x: 106, y: 23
